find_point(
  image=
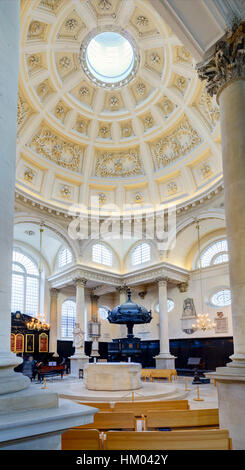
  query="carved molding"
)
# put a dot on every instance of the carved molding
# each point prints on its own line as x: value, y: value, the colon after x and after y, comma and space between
x: 227, y: 63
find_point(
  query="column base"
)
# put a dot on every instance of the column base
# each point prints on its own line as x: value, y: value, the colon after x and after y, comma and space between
x: 78, y: 362
x: 230, y: 382
x: 36, y: 420
x: 11, y: 381
x: 165, y: 361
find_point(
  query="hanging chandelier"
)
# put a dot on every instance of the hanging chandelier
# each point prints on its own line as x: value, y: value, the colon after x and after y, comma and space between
x: 36, y: 323
x: 203, y: 321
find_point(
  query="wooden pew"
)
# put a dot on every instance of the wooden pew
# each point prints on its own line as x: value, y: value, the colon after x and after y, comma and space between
x: 141, y: 407
x: 145, y: 373
x: 182, y: 418
x: 217, y: 439
x: 107, y: 420
x: 81, y: 439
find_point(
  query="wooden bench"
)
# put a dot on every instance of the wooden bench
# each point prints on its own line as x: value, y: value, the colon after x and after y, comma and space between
x: 107, y: 420
x: 81, y: 439
x: 182, y: 418
x: 217, y: 439
x: 163, y: 373
x: 141, y: 407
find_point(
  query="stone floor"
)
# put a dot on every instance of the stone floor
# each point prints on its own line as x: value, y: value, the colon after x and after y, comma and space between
x: 159, y: 390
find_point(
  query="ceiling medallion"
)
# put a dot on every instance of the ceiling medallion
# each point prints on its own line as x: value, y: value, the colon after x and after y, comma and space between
x: 121, y: 57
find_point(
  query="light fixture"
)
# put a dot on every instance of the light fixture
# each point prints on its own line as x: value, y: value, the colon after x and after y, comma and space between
x: 203, y: 321
x: 36, y: 324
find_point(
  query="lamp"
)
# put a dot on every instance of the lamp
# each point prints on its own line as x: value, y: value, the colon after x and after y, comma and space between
x: 203, y: 322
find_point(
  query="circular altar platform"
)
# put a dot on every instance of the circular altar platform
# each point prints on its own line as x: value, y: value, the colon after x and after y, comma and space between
x: 76, y: 390
x: 112, y: 376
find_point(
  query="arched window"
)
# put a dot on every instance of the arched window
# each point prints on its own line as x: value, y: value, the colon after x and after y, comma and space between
x: 170, y: 305
x: 141, y: 254
x: 64, y: 257
x: 68, y: 318
x: 101, y: 254
x: 221, y: 298
x: 25, y: 285
x: 215, y: 254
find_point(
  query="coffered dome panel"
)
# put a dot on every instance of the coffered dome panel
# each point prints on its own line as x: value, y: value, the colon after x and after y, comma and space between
x: 152, y: 129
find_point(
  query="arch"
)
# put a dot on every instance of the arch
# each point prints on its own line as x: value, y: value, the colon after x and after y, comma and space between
x: 54, y: 227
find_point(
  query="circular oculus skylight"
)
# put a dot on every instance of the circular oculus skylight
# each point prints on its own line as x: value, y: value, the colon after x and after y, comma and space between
x: 109, y: 58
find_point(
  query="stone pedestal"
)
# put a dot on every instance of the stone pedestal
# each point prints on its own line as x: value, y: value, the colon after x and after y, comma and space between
x: 78, y: 362
x: 231, y: 398
x: 36, y: 420
x: 116, y: 376
x: 165, y: 361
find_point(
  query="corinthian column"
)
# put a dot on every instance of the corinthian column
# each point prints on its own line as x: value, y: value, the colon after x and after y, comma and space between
x: 164, y: 360
x: 53, y: 321
x: 224, y: 73
x: 9, y: 52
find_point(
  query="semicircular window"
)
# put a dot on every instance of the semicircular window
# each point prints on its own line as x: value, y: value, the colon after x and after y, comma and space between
x: 216, y: 253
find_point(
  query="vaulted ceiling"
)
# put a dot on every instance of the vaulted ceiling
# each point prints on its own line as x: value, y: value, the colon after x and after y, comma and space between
x: 155, y: 139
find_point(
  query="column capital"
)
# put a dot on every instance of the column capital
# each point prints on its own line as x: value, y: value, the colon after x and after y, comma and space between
x: 80, y: 282
x: 162, y: 281
x: 227, y: 62
x: 122, y: 289
x: 53, y: 292
x: 183, y: 286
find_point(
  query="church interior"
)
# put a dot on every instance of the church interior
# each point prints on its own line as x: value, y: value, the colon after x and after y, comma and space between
x: 122, y: 235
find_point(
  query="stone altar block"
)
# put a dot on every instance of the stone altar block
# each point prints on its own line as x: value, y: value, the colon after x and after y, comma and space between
x: 113, y: 376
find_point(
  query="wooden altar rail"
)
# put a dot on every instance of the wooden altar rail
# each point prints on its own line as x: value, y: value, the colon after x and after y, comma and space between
x: 88, y: 439
x: 217, y: 439
x: 158, y: 374
x: 140, y: 407
x: 154, y: 420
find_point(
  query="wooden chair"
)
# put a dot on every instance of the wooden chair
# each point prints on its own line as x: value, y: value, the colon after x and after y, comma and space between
x: 81, y: 439
x: 141, y: 407
x: 107, y: 420
x: 182, y: 418
x: 169, y: 440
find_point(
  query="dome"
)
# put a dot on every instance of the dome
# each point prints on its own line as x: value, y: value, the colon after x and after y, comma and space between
x: 111, y: 112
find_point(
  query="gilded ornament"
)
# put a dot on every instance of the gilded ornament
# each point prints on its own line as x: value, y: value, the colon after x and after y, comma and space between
x: 33, y: 60
x: 155, y: 58
x: 227, y: 62
x: 65, y: 191
x: 29, y: 175
x: 141, y: 89
x: 113, y: 101
x: 104, y: 5
x: 148, y: 122
x: 65, y: 62
x: 142, y: 21
x: 171, y: 147
x: 52, y: 147
x: 172, y: 188
x: 118, y: 164
x: 71, y: 24
x: 84, y: 91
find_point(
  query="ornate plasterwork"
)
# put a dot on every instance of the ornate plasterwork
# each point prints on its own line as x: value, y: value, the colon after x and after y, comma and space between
x: 175, y: 145
x: 51, y: 146
x: 227, y: 62
x: 23, y: 111
x: 118, y: 164
x: 134, y: 116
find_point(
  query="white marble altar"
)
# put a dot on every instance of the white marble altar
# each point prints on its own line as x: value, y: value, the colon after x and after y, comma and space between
x: 113, y: 376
